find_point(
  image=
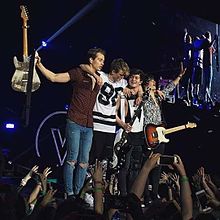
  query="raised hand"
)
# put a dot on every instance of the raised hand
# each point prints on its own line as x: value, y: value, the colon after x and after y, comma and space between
x: 201, y: 173
x: 164, y: 177
x: 196, y: 181
x: 182, y: 70
x: 161, y: 94
x: 43, y: 178
x: 179, y: 165
x: 48, y: 197
x: 175, y: 178
x: 151, y: 162
x: 37, y: 59
x: 97, y: 173
x: 34, y: 169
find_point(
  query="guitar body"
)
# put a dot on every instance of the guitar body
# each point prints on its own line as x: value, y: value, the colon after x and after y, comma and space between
x: 121, y: 142
x: 120, y: 159
x: 20, y: 78
x: 154, y: 135
x: 117, y: 149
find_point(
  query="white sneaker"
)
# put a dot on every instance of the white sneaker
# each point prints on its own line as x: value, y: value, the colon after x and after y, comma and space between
x: 89, y: 199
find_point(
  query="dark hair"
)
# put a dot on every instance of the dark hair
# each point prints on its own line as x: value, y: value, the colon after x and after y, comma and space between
x: 136, y: 71
x: 92, y: 52
x: 148, y: 77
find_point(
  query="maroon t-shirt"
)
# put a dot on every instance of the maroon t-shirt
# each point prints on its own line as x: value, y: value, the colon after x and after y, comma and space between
x: 83, y: 97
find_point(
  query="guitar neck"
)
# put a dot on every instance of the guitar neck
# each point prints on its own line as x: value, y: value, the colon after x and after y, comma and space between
x: 25, y: 39
x: 178, y: 128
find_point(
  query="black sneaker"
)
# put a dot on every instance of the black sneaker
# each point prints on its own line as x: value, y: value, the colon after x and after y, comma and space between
x: 72, y: 197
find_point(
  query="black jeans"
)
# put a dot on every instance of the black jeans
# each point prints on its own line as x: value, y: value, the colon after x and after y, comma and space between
x: 154, y: 176
x: 130, y: 170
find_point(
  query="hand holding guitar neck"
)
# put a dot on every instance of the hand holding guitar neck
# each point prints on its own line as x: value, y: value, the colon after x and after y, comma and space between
x: 123, y: 146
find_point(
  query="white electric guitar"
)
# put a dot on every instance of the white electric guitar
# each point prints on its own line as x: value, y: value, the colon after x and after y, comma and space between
x: 20, y: 78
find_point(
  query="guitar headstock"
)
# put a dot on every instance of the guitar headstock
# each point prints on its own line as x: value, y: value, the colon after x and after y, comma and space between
x: 24, y: 12
x: 191, y: 125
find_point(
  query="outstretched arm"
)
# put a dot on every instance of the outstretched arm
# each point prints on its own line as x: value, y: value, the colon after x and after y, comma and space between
x: 53, y: 77
x: 99, y: 188
x: 140, y: 181
x: 185, y: 191
x: 181, y: 74
x: 29, y: 175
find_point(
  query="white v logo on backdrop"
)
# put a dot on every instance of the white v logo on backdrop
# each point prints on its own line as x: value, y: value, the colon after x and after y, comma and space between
x: 59, y: 143
x: 57, y: 138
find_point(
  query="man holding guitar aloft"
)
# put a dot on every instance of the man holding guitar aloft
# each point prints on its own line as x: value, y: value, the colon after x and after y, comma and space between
x: 79, y: 121
x: 153, y: 115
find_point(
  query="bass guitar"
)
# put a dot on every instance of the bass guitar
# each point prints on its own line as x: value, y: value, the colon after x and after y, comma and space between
x: 122, y: 146
x: 155, y: 134
x: 20, y: 77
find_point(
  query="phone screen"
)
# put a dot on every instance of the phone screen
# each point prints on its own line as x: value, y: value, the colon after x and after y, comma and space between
x: 203, y: 200
x: 166, y: 160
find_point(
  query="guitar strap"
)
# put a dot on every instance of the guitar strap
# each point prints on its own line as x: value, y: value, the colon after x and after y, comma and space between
x: 122, y: 116
x: 110, y: 175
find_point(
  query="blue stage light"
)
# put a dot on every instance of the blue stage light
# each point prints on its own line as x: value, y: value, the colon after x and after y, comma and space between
x: 10, y: 125
x: 44, y: 43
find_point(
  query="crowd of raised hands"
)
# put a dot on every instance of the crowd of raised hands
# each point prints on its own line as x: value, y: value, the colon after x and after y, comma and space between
x: 205, y: 193
x: 177, y: 190
x: 42, y: 190
x: 132, y: 203
x: 203, y: 181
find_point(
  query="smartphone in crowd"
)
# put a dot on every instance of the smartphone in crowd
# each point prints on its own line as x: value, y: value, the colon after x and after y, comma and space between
x: 203, y: 200
x: 165, y: 160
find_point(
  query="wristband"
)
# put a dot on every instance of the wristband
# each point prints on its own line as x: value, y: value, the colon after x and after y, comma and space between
x: 23, y: 182
x: 184, y: 179
x: 98, y: 189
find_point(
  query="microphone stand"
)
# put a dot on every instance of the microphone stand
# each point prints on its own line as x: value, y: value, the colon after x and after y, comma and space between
x: 27, y: 107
